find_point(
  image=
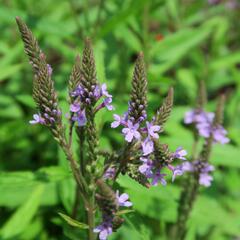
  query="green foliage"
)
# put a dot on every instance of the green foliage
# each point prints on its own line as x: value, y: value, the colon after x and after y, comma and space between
x: 73, y: 222
x: 183, y: 42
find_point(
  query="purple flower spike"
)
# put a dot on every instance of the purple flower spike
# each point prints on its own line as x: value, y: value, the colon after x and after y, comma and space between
x: 180, y: 153
x: 117, y: 121
x: 131, y: 131
x: 123, y: 200
x: 147, y: 146
x: 75, y: 107
x: 152, y: 129
x: 104, y: 230
x: 37, y: 119
x: 158, y: 177
x: 80, y: 118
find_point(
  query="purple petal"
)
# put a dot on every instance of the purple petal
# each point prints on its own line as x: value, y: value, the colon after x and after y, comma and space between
x: 75, y: 107
x: 124, y: 197
x: 205, y: 179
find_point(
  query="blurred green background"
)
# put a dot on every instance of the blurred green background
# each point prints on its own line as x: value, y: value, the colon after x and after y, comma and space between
x: 184, y: 41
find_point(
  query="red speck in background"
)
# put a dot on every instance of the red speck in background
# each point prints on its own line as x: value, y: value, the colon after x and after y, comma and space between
x: 159, y: 37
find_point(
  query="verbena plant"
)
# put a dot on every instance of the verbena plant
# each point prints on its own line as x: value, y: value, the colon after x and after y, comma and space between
x: 143, y: 156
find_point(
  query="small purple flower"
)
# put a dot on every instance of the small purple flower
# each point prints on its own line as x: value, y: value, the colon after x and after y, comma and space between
x: 187, y: 167
x: 177, y: 171
x: 37, y: 119
x: 117, y: 121
x: 146, y: 167
x: 206, y: 168
x: 49, y: 68
x: 147, y: 146
x: 205, y: 179
x: 198, y: 116
x: 104, y: 230
x: 152, y: 130
x: 204, y: 129
x: 80, y: 118
x: 107, y: 103
x: 97, y: 92
x: 75, y: 107
x: 180, y: 153
x: 79, y: 91
x: 131, y: 131
x: 158, y: 177
x: 110, y: 173
x: 203, y: 168
x: 219, y: 135
x: 123, y: 200
x: 104, y: 91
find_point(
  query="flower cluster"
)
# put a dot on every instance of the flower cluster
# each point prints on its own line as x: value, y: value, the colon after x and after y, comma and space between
x: 47, y: 118
x: 84, y: 97
x: 204, y: 123
x: 202, y: 168
x: 106, y: 227
x: 152, y: 168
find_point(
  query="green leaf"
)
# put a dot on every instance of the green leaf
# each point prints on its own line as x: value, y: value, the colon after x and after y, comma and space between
x: 174, y: 47
x: 225, y: 62
x: 121, y: 17
x: 16, y: 186
x: 23, y: 216
x: 73, y: 222
x: 9, y: 71
x: 122, y: 212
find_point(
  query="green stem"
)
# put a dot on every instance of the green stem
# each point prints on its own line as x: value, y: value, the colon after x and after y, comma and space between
x: 187, y: 200
x: 75, y: 169
x: 194, y: 147
x: 91, y: 218
x: 76, y: 202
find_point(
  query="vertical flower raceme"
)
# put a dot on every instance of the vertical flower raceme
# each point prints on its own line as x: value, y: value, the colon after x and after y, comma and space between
x: 144, y: 135
x: 208, y: 126
x: 44, y: 93
x: 143, y: 157
x: 46, y: 98
x: 164, y: 111
x: 138, y: 103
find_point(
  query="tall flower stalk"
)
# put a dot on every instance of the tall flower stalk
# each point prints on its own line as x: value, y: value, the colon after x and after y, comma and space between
x: 143, y: 156
x: 208, y: 126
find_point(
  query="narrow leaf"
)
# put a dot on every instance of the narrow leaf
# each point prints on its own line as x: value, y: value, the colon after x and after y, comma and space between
x: 73, y: 222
